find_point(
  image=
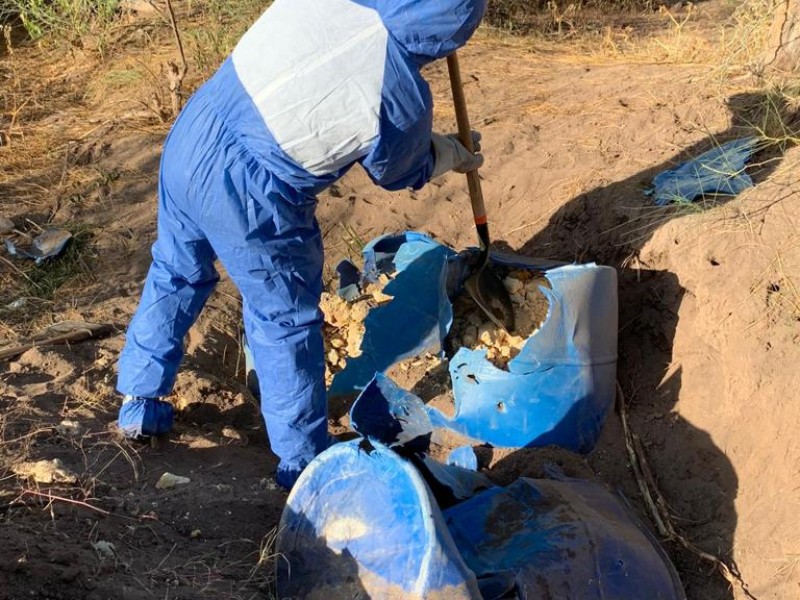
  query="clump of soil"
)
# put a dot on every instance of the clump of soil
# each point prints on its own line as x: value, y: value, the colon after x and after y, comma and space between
x: 343, y: 327
x: 472, y: 329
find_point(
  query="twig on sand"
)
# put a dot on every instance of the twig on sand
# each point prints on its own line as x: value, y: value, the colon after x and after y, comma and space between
x: 657, y: 505
x: 63, y: 333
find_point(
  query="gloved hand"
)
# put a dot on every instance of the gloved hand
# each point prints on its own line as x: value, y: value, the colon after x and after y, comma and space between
x: 144, y: 417
x: 451, y: 155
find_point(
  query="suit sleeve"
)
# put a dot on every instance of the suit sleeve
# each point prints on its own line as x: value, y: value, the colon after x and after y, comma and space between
x: 402, y: 155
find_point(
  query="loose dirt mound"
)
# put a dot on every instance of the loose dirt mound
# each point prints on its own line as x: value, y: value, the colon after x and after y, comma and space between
x: 709, y: 334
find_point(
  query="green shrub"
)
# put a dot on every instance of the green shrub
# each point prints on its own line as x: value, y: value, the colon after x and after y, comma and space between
x: 72, y: 20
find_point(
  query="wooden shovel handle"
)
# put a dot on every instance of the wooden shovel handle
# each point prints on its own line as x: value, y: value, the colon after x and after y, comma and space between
x: 465, y: 136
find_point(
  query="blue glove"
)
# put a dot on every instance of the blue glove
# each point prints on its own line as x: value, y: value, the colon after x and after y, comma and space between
x: 145, y: 417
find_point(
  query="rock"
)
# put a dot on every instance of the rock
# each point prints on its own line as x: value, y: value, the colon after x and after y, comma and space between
x: 487, y: 334
x: 104, y: 549
x: 232, y: 434
x: 69, y: 428
x: 6, y: 225
x: 358, y: 311
x: 196, y: 533
x: 333, y: 357
x: 513, y: 285
x: 532, y: 287
x: 470, y: 335
x: 380, y: 297
x: 46, y: 471
x: 170, y: 480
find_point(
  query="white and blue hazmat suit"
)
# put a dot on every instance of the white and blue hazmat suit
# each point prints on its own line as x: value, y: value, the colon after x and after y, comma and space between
x: 313, y: 87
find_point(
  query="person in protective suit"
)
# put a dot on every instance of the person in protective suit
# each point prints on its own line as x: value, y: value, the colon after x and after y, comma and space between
x: 312, y: 88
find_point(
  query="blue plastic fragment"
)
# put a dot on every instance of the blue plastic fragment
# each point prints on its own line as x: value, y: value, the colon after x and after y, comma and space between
x: 718, y: 171
x: 361, y: 523
x: 450, y: 484
x: 464, y: 457
x: 386, y: 413
x: 349, y: 280
x: 565, y: 539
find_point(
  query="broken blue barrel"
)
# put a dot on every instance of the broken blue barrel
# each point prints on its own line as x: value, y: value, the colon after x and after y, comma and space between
x: 363, y: 522
x: 557, y: 390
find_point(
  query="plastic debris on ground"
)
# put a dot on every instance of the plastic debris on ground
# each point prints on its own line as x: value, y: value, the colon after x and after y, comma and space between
x: 48, y: 244
x: 720, y: 171
x: 363, y: 521
x: 549, y: 383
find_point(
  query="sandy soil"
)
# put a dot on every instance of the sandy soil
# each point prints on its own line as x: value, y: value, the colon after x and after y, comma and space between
x: 709, y: 335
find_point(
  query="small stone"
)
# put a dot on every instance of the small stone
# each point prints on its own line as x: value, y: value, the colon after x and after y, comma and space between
x: 196, y: 533
x: 170, y: 480
x: 380, y: 297
x: 333, y: 357
x: 232, y: 434
x: 69, y: 428
x: 470, y: 336
x: 104, y: 549
x: 358, y: 311
x: 486, y: 334
x: 269, y: 484
x: 513, y: 285
x: 6, y: 225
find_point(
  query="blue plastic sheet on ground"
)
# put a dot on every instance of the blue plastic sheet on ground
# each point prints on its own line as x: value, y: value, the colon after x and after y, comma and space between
x: 556, y: 391
x: 718, y: 171
x: 562, y: 539
x: 361, y: 522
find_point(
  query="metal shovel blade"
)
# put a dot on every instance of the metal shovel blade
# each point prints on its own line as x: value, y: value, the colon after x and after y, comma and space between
x: 491, y: 296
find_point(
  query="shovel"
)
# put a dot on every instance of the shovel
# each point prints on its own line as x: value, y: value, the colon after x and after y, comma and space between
x: 483, y: 284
